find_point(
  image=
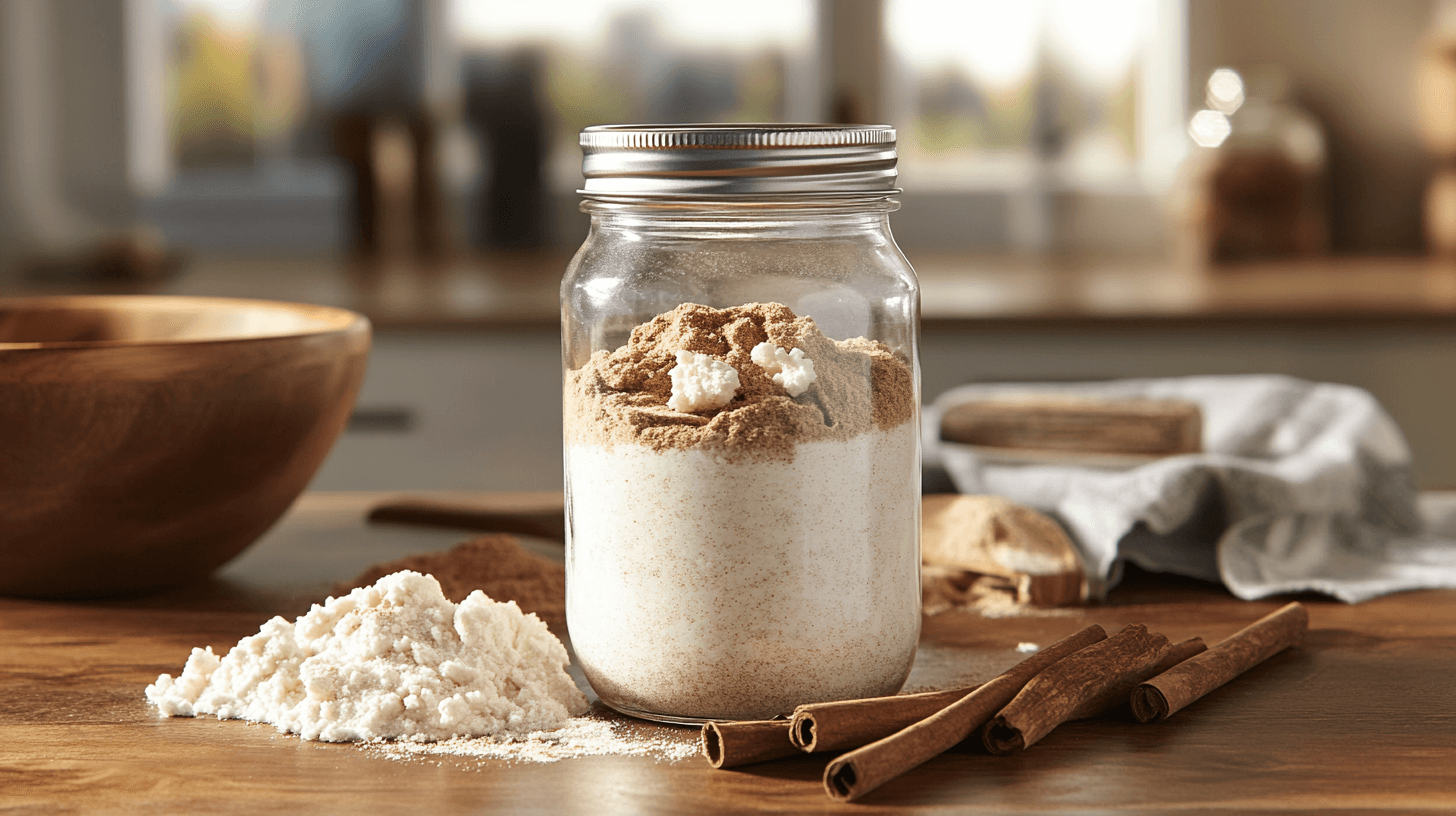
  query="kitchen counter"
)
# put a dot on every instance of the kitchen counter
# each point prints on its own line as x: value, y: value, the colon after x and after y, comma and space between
x: 1385, y: 324
x: 1362, y: 717
x: 520, y: 290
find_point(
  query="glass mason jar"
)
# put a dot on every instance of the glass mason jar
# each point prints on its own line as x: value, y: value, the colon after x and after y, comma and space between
x: 742, y: 398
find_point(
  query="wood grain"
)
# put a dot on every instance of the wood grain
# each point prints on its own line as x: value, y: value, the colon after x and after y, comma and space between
x: 144, y: 441
x: 1361, y: 717
x: 1077, y: 425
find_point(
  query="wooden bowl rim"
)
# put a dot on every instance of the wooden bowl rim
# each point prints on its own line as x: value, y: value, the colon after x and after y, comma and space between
x: 331, y: 320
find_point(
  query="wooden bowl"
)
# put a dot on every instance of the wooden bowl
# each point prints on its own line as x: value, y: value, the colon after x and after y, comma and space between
x: 145, y: 441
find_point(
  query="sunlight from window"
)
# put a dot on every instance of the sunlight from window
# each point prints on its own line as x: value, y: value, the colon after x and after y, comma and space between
x: 233, y: 15
x: 1098, y: 41
x: 986, y: 92
x: 584, y: 23
x: 992, y: 41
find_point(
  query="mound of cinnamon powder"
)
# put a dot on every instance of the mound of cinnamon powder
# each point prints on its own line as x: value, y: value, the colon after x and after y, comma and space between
x: 620, y: 397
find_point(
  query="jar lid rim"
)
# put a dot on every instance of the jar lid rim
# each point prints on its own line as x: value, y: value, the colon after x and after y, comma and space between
x: 734, y: 135
x: 736, y: 159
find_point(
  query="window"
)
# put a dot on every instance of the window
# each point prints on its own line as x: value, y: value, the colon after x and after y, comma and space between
x: 1027, y: 125
x: 618, y: 61
x: 1024, y: 111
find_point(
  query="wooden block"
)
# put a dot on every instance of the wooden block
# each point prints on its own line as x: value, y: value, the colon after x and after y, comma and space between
x: 1078, y: 425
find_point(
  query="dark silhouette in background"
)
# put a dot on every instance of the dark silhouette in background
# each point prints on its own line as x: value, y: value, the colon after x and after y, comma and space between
x: 366, y: 61
x: 354, y: 135
x: 505, y: 107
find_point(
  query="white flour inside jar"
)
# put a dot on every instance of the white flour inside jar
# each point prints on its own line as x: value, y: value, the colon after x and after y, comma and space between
x: 738, y: 561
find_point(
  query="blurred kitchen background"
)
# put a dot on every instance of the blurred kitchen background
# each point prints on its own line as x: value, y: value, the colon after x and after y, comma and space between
x: 1093, y: 188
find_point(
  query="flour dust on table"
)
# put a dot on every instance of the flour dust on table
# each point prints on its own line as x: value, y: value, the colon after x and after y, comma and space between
x: 598, y: 733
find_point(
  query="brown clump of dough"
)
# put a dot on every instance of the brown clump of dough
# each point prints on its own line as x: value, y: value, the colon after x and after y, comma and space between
x: 620, y: 397
x: 494, y: 564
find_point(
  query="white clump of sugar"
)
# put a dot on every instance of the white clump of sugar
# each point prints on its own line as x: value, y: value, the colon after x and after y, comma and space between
x: 790, y: 369
x: 396, y: 660
x: 701, y: 383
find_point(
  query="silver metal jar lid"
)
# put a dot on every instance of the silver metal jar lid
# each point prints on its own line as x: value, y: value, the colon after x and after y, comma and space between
x: 692, y: 161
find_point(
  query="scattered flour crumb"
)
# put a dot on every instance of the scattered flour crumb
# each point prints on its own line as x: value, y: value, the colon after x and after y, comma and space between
x: 396, y: 660
x: 1026, y: 648
x: 701, y: 383
x: 789, y: 369
x: 592, y: 735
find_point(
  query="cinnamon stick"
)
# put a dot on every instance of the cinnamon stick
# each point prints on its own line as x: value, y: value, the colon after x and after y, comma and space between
x: 852, y: 723
x: 821, y: 727
x: 1051, y: 697
x: 1169, y: 692
x: 1119, y: 694
x: 862, y: 770
x: 730, y: 744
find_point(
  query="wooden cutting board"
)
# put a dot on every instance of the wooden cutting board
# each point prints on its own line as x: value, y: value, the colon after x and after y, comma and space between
x: 1077, y: 425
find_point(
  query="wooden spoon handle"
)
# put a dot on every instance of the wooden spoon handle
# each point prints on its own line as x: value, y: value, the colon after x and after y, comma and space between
x: 426, y: 513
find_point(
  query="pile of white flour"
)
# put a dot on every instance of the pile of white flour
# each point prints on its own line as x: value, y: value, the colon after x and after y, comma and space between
x: 396, y: 660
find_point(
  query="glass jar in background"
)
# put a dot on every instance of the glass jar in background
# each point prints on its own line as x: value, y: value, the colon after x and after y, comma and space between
x: 741, y: 421
x: 1254, y: 188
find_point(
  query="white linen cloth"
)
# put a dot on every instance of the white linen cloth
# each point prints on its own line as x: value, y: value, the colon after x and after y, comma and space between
x: 1301, y: 487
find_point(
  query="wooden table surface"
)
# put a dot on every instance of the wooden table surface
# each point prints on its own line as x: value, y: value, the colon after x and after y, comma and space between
x: 1363, y: 717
